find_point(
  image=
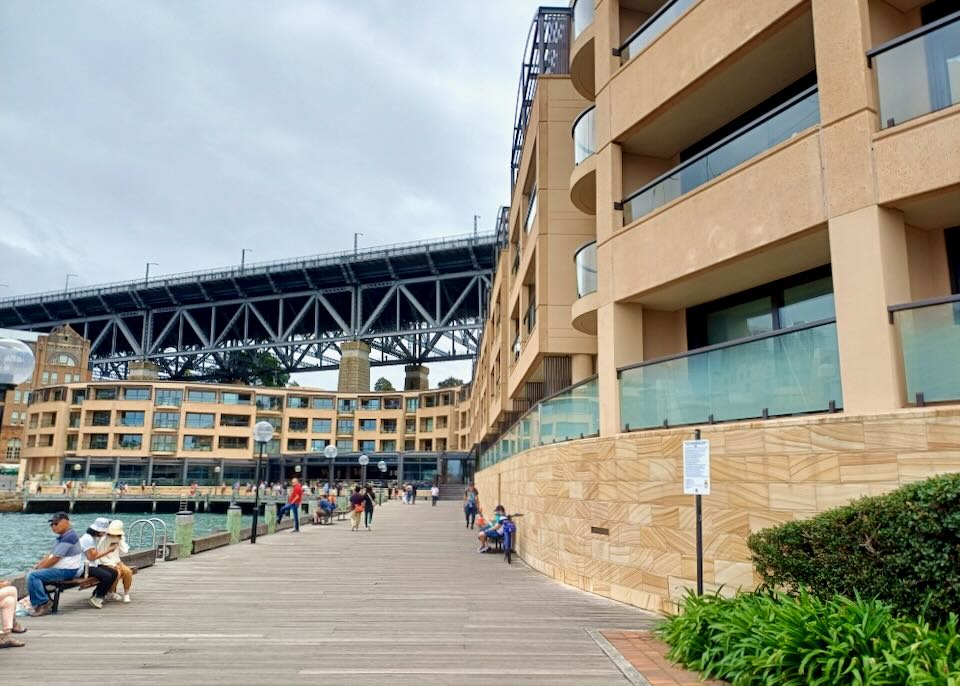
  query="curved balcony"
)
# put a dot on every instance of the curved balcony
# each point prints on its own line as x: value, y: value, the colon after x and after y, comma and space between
x: 583, y: 178
x: 659, y: 22
x: 582, y: 58
x: 773, y: 128
x: 585, y: 260
x: 584, y: 135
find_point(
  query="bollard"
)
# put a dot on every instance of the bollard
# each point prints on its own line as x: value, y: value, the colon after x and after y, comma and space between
x: 270, y: 514
x: 183, y: 533
x: 233, y: 522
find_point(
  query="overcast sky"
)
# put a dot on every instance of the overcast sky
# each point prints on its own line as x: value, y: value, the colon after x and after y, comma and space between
x: 182, y: 132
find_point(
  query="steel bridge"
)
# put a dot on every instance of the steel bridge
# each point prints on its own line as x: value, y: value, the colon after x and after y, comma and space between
x: 413, y: 303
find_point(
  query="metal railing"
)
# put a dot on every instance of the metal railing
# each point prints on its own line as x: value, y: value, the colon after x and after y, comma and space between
x: 135, y: 536
x: 918, y: 72
x: 252, y: 269
x: 781, y: 123
x: 658, y: 22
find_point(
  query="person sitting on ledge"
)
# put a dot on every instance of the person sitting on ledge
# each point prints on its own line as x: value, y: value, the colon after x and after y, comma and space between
x: 492, y: 532
x: 62, y: 563
x: 324, y: 511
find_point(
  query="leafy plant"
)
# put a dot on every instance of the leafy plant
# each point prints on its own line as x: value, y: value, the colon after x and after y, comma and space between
x: 902, y: 547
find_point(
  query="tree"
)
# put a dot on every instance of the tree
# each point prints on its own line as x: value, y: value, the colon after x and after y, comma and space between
x: 449, y: 382
x: 251, y: 367
x: 383, y: 384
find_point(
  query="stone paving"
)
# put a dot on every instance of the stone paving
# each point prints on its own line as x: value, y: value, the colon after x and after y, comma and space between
x: 409, y: 602
x: 649, y: 657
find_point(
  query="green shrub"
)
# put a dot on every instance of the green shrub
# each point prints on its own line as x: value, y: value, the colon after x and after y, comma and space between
x: 779, y: 640
x: 902, y: 547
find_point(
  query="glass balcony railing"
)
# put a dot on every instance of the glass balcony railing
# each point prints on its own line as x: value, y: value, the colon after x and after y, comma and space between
x: 585, y: 260
x: 584, y: 135
x: 786, y: 372
x: 784, y: 122
x: 919, y: 72
x: 658, y: 22
x: 573, y: 413
x: 929, y: 340
x: 582, y: 16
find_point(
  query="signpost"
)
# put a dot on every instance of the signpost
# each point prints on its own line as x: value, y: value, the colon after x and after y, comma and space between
x: 696, y: 482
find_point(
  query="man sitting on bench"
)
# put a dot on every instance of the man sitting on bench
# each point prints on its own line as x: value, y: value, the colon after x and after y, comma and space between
x: 493, y: 532
x: 324, y: 510
x: 63, y: 563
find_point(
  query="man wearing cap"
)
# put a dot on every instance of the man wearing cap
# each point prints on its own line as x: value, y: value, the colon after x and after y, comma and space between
x: 64, y: 562
x: 104, y: 575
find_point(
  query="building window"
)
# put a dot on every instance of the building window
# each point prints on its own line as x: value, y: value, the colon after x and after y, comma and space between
x: 370, y: 403
x: 368, y: 424
x: 388, y: 426
x: 426, y: 445
x: 199, y: 420
x: 272, y: 421
x: 322, y: 403
x: 297, y: 444
x: 273, y: 446
x: 167, y: 398
x: 128, y: 418
x: 105, y: 394
x: 129, y: 441
x: 99, y: 418
x: 347, y: 405
x: 164, y: 444
x: 17, y: 397
x: 31, y: 441
x: 166, y: 420
x: 531, y: 210
x: 235, y: 398
x: 198, y: 443
x: 429, y: 401
x: 409, y: 444
x: 344, y: 426
x: 63, y: 360
x: 234, y: 420
x: 388, y: 446
x: 77, y: 397
x: 412, y: 404
x: 391, y: 403
x: 202, y: 396
x: 74, y: 420
x: 297, y: 402
x: 345, y: 444
x: 271, y: 403
x: 366, y: 446
x: 321, y: 426
x: 136, y: 394
x: 441, y: 422
x: 410, y: 426
x: 97, y: 441
x: 297, y: 424
x: 426, y: 424
x: 72, y: 443
x: 13, y: 449
x: 48, y: 419
x: 233, y: 442
x: 318, y: 444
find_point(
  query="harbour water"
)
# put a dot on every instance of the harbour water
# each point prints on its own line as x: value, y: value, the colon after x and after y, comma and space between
x: 24, y: 538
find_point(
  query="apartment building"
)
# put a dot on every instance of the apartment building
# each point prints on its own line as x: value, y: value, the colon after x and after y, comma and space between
x: 740, y: 217
x: 61, y: 357
x: 172, y: 433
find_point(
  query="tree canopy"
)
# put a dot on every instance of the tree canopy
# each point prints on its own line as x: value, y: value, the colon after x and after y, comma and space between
x: 383, y: 384
x: 449, y: 382
x: 251, y: 367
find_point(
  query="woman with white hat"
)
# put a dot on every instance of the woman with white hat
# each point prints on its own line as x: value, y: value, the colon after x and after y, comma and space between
x: 115, y: 543
x: 105, y: 575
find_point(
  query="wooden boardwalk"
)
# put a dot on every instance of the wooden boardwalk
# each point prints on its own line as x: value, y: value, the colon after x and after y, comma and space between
x: 410, y: 602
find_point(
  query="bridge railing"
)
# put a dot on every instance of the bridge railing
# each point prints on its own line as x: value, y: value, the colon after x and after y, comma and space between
x: 394, y: 249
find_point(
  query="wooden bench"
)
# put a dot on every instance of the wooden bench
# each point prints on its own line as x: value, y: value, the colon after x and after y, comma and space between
x: 328, y: 518
x: 55, y: 588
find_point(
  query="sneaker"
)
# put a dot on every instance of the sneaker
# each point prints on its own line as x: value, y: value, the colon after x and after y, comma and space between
x: 112, y: 596
x: 126, y: 597
x: 43, y: 609
x: 96, y: 602
x: 481, y: 549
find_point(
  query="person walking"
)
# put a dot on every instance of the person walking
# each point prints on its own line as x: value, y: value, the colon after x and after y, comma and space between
x: 293, y: 504
x: 435, y: 494
x: 356, y: 508
x: 8, y: 617
x: 471, y: 504
x: 368, y: 505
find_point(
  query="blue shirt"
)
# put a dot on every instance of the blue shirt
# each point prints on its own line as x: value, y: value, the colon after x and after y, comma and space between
x: 67, y: 548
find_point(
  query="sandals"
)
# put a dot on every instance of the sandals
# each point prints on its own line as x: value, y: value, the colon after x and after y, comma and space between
x: 19, y: 628
x: 7, y: 642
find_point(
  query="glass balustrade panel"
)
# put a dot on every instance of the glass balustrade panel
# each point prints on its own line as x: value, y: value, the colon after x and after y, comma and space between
x: 930, y: 339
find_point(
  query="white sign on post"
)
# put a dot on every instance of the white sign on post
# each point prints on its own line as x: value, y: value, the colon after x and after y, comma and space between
x: 696, y: 467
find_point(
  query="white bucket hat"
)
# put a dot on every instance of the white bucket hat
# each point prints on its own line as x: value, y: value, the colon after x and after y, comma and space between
x: 116, y: 528
x: 100, y: 524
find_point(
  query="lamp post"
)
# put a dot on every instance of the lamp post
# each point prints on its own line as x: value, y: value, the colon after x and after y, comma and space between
x: 262, y: 434
x: 76, y: 477
x: 216, y: 475
x: 382, y: 466
x: 364, y: 461
x: 330, y: 452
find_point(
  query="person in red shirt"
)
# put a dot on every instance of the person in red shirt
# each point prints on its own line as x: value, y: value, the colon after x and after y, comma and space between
x: 293, y: 504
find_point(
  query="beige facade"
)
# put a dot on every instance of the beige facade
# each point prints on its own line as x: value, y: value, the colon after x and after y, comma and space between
x: 769, y: 194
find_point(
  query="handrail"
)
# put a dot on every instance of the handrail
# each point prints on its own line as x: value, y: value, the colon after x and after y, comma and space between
x: 582, y: 248
x: 722, y: 142
x: 907, y: 37
x: 776, y: 333
x: 255, y: 268
x: 573, y: 127
x: 617, y: 52
x: 928, y: 302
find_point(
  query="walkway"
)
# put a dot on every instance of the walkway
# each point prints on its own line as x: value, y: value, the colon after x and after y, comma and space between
x: 411, y: 602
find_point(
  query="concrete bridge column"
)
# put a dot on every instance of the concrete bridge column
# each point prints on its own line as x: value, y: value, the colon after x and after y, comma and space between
x: 354, y: 376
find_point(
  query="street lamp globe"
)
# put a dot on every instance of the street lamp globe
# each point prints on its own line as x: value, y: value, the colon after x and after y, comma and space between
x: 330, y: 452
x: 263, y: 432
x: 363, y: 460
x: 382, y: 466
x: 298, y: 469
x: 77, y: 466
x: 16, y: 363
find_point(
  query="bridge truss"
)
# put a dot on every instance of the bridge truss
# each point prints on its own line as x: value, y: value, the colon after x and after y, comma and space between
x: 413, y: 303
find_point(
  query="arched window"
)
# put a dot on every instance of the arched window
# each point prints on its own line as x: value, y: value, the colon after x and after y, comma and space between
x: 13, y: 450
x: 63, y: 360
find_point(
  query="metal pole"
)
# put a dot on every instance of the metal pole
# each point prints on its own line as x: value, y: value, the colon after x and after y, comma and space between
x: 146, y: 278
x: 256, y: 497
x: 699, y: 504
x: 363, y: 476
x: 66, y: 283
x: 355, y: 234
x: 332, y: 486
x: 243, y: 257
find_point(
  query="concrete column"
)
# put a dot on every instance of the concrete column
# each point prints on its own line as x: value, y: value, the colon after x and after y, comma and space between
x: 270, y: 514
x: 143, y: 371
x: 581, y: 367
x: 354, y: 376
x: 183, y: 533
x: 86, y: 470
x: 868, y: 250
x: 186, y: 462
x: 416, y: 377
x: 400, y: 468
x: 149, y: 470
x: 116, y: 469
x: 233, y: 522
x: 619, y: 342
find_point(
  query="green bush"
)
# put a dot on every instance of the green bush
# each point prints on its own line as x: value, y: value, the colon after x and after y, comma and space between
x: 779, y: 640
x: 902, y: 547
